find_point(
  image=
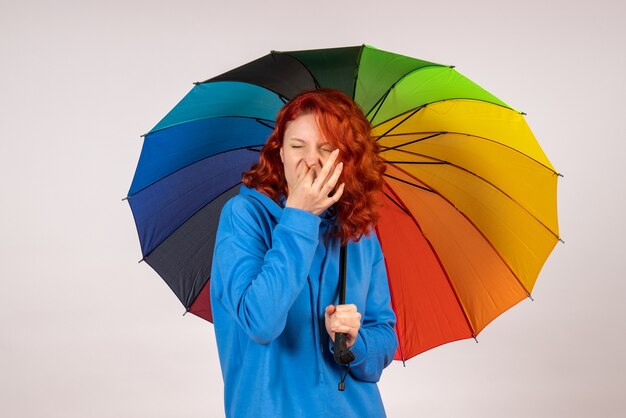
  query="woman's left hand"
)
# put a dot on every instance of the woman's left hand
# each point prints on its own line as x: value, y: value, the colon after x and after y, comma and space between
x: 345, y: 319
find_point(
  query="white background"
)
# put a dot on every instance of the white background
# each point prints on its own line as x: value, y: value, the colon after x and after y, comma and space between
x: 86, y: 331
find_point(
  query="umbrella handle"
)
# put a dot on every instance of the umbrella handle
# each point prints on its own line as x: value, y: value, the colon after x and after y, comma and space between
x: 343, y: 355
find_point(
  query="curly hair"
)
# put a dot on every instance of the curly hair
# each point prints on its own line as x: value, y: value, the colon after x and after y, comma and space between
x: 342, y: 124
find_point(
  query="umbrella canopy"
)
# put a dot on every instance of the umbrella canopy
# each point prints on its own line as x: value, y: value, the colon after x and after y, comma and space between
x: 468, y: 213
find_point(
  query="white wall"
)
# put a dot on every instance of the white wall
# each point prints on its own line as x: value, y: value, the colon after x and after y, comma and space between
x: 85, y: 331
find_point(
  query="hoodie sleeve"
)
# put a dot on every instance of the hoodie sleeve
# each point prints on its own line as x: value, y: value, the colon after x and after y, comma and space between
x: 258, y: 285
x: 376, y: 344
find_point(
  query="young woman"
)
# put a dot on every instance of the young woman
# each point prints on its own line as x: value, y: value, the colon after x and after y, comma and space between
x: 274, y: 283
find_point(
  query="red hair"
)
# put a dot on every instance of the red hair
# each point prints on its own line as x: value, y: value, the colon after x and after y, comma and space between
x: 343, y: 125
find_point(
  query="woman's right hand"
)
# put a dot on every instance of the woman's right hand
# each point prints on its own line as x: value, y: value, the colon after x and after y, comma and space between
x: 311, y: 192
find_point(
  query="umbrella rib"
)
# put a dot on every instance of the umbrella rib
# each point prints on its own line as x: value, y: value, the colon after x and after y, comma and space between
x: 190, y: 293
x: 145, y: 257
x: 409, y: 183
x: 410, y: 142
x: 258, y: 119
x: 449, y: 99
x: 401, y: 122
x: 473, y: 225
x: 438, y: 161
x: 211, y: 80
x: 317, y: 84
x: 246, y: 147
x: 356, y: 70
x: 393, y: 300
x: 382, y: 99
x: 262, y: 122
x: 418, y: 162
x: 402, y: 208
x: 443, y: 269
x: 459, y: 133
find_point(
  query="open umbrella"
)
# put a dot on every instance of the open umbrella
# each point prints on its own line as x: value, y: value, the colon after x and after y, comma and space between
x: 468, y: 213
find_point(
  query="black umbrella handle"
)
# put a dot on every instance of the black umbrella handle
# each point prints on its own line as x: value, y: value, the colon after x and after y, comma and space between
x: 343, y: 355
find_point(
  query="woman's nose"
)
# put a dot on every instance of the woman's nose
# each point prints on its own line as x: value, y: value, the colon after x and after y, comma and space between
x: 313, y: 158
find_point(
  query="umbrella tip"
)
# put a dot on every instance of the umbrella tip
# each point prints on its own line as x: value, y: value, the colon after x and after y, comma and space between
x: 475, y: 339
x: 560, y: 175
x: 125, y: 198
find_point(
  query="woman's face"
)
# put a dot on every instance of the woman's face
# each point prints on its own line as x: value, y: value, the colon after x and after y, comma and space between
x: 303, y: 144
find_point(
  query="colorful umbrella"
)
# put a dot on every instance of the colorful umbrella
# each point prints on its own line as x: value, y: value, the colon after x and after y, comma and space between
x: 469, y: 206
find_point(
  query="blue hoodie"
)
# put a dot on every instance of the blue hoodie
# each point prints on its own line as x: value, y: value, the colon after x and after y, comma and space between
x: 275, y: 270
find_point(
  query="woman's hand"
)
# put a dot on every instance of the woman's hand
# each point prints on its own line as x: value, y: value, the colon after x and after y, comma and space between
x: 311, y: 192
x: 345, y: 319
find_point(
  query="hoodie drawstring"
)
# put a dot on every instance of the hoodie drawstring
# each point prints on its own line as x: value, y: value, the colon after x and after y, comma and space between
x: 316, y: 331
